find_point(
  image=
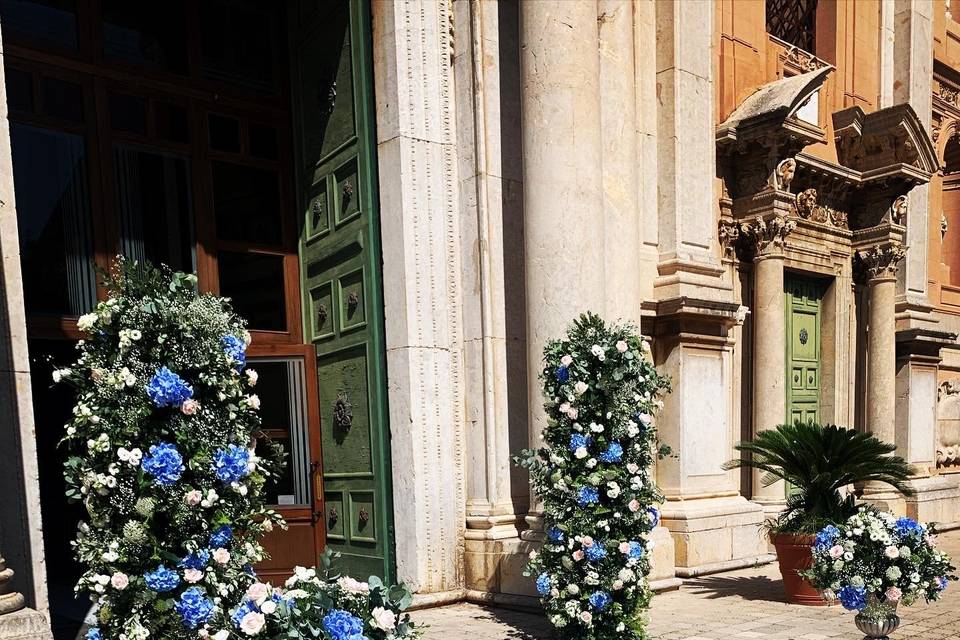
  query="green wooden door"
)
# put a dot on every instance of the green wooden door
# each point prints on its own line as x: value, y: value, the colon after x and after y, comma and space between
x: 341, y: 275
x: 804, y: 308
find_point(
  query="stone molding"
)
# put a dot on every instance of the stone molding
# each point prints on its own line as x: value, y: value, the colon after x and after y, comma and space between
x: 881, y: 261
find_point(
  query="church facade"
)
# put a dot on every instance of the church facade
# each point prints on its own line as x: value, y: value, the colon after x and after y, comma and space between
x: 407, y: 199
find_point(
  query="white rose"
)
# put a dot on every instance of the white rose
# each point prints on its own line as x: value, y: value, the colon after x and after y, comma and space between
x: 86, y: 322
x: 268, y: 607
x: 252, y: 377
x: 581, y: 387
x: 193, y: 575
x: 222, y: 556
x: 383, y: 619
x: 119, y: 581
x: 258, y: 592
x: 252, y: 623
x: 221, y: 635
x: 621, y: 346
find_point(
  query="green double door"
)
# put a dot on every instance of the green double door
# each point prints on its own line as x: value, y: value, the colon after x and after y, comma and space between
x: 804, y: 310
x: 340, y: 275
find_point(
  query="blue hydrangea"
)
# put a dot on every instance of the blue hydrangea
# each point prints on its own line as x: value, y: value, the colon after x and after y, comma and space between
x: 942, y: 583
x: 853, y: 598
x: 230, y: 464
x: 596, y: 552
x: 562, y: 373
x: 906, y: 527
x: 343, y: 625
x: 826, y: 538
x: 614, y: 453
x: 544, y: 584
x: 162, y: 579
x: 599, y: 600
x: 221, y: 537
x: 247, y: 606
x: 164, y: 463
x: 236, y: 349
x: 93, y: 634
x: 587, y: 496
x: 196, y: 560
x: 578, y: 440
x: 193, y: 607
x: 168, y: 389
x: 654, y: 516
x: 554, y: 534
x: 636, y: 550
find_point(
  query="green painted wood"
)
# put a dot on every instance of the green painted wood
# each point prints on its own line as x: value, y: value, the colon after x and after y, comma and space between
x: 804, y: 305
x: 341, y: 279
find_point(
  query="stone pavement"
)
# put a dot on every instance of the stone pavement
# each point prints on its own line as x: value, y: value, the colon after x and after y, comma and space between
x: 747, y: 603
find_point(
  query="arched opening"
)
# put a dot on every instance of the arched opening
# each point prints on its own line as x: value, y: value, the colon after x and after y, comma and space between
x: 950, y: 249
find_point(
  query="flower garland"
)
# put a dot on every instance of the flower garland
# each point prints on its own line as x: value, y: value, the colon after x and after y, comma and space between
x: 594, y: 477
x: 876, y: 558
x: 162, y: 457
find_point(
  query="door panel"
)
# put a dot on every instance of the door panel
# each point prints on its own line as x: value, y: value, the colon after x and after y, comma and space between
x: 804, y: 301
x: 340, y: 272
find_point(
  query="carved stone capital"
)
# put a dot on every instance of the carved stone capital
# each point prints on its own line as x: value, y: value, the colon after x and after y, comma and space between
x: 766, y: 236
x: 881, y: 261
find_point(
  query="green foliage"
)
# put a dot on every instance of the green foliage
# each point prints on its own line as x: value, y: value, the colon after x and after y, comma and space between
x: 818, y: 462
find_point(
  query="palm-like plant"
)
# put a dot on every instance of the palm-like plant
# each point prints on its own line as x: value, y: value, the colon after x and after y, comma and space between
x: 818, y: 461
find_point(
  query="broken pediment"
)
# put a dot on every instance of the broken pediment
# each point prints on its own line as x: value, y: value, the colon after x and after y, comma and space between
x: 774, y: 109
x: 889, y: 143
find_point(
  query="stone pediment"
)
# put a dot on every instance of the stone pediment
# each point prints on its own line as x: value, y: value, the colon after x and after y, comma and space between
x: 772, y: 110
x: 889, y: 143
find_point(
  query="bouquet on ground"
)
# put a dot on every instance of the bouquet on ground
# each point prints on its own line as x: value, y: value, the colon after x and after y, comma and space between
x: 329, y: 607
x: 594, y: 476
x: 875, y: 561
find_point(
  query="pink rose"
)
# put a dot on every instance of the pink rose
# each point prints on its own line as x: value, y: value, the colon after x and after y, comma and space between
x: 893, y: 594
x: 634, y: 506
x: 586, y: 541
x: 586, y: 616
x: 192, y: 575
x: 621, y: 346
x: 566, y: 360
x: 572, y: 413
x: 221, y: 556
x: 119, y: 581
x: 252, y: 623
x: 189, y: 407
x: 193, y: 498
x: 578, y: 555
x: 564, y: 407
x: 891, y: 552
x: 624, y: 547
x: 836, y: 551
x: 581, y: 387
x: 258, y: 592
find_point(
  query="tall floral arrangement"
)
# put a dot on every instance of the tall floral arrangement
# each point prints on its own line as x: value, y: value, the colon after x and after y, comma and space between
x: 162, y: 456
x: 594, y: 477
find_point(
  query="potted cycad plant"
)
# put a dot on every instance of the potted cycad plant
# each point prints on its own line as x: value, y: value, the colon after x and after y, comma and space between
x: 818, y: 462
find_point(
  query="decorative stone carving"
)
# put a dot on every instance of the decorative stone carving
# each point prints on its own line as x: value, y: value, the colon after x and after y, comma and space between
x: 948, y: 423
x: 728, y: 233
x: 882, y: 261
x: 783, y: 175
x: 897, y: 213
x: 943, y: 226
x: 808, y: 208
x: 806, y: 203
x: 10, y: 600
x: 764, y: 236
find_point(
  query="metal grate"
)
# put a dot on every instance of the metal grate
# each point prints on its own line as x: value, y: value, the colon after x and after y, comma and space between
x: 793, y: 21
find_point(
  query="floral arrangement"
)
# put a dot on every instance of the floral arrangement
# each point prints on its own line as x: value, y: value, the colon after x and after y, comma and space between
x: 162, y: 456
x: 330, y: 607
x: 876, y: 560
x: 594, y: 477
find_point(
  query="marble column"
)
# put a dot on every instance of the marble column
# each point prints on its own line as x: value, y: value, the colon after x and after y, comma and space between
x: 562, y: 192
x: 766, y: 238
x: 881, y: 263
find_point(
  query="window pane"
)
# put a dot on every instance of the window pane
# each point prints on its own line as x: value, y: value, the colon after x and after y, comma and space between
x: 19, y: 90
x: 53, y: 21
x: 247, y: 203
x: 256, y: 285
x: 53, y: 214
x: 224, y: 133
x: 148, y: 33
x: 281, y: 389
x: 128, y: 113
x: 62, y: 99
x: 153, y: 197
x: 239, y: 41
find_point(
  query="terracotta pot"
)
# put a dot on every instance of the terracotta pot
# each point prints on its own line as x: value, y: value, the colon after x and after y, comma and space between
x: 793, y: 554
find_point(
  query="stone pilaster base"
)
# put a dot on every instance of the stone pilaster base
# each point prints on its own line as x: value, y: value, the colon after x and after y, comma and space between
x: 496, y: 566
x: 715, y: 534
x: 885, y: 498
x: 25, y: 624
x: 937, y: 500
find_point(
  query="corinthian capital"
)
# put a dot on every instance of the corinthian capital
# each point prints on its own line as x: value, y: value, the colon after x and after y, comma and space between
x: 882, y: 260
x: 766, y: 236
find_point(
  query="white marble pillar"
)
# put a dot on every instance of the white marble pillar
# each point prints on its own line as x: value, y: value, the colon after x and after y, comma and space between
x: 563, y: 192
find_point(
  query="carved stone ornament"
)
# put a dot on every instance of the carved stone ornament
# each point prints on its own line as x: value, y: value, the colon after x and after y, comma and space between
x: 882, y: 261
x: 729, y: 235
x: 764, y: 236
x: 897, y: 213
x: 948, y: 388
x: 943, y: 226
x: 808, y: 208
x: 783, y: 175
